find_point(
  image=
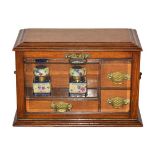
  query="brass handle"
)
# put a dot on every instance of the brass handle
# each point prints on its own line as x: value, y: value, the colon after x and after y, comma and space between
x: 60, y: 106
x: 77, y: 58
x: 118, y: 102
x: 118, y: 77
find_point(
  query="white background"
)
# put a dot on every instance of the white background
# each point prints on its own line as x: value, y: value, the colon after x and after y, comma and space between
x: 17, y: 14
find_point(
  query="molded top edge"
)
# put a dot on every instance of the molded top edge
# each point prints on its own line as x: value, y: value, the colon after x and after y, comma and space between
x: 82, y: 38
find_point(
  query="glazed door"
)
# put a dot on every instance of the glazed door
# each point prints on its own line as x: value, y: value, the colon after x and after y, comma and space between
x: 77, y: 87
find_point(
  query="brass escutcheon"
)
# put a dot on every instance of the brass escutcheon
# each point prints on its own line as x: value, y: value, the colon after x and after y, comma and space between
x: 118, y: 102
x: 60, y: 106
x: 77, y: 58
x: 118, y: 77
x: 77, y: 55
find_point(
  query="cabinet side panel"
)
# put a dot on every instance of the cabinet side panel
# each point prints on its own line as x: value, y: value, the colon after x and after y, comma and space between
x: 135, y: 84
x: 20, y: 84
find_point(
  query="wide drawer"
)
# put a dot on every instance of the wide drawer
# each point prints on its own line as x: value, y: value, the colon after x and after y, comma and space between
x: 115, y: 100
x: 76, y: 106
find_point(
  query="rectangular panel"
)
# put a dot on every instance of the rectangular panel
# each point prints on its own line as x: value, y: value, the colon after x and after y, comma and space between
x: 116, y: 73
x: 115, y: 100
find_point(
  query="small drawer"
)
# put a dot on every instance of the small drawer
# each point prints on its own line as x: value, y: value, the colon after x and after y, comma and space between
x: 73, y: 106
x: 115, y: 100
x: 116, y: 73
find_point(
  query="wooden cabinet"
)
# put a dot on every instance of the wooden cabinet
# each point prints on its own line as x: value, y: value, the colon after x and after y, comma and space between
x: 77, y: 77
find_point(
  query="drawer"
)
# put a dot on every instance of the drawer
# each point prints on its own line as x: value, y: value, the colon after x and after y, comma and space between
x: 116, y: 73
x: 115, y: 100
x: 46, y: 105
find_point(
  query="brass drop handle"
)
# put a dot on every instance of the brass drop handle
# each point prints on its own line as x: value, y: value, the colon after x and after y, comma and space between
x: 60, y: 106
x: 118, y: 102
x: 118, y: 77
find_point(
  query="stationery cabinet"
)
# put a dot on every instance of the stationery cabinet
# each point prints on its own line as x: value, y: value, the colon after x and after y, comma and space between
x: 77, y: 77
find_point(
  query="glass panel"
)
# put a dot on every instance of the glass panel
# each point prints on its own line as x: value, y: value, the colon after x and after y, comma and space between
x: 64, y: 85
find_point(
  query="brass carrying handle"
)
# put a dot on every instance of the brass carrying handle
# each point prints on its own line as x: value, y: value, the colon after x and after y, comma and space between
x: 118, y: 77
x: 140, y: 75
x: 60, y: 106
x: 118, y: 102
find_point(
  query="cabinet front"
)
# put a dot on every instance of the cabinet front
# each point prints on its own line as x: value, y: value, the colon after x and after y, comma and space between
x: 77, y: 84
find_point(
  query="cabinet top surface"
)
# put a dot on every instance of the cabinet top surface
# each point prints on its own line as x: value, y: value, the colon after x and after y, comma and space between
x: 99, y: 38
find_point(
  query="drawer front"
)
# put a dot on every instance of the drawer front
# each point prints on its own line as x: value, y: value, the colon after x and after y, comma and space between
x: 116, y: 73
x: 47, y: 106
x: 115, y: 100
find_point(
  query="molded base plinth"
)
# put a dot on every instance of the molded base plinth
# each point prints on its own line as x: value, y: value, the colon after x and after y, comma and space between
x: 80, y: 122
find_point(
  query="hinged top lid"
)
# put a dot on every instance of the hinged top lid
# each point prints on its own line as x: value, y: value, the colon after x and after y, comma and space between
x: 79, y: 39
